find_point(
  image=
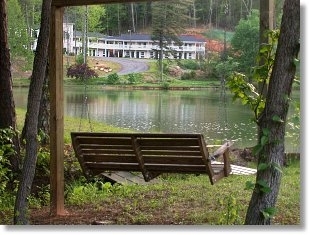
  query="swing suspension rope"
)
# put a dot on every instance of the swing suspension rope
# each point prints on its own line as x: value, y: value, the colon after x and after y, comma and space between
x: 85, y: 109
x: 223, y: 109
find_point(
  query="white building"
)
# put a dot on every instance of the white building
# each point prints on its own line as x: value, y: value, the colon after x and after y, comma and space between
x: 128, y: 45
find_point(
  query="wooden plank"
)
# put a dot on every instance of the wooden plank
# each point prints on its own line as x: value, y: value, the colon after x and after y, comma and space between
x: 105, y: 150
x: 97, y: 169
x: 173, y: 148
x: 176, y: 168
x: 124, y: 177
x: 56, y: 112
x: 188, y: 160
x: 142, y: 135
x: 136, y: 146
x: 163, y: 142
x: 222, y: 149
x: 109, y: 158
x: 104, y: 141
x: 206, y: 158
x: 171, y: 153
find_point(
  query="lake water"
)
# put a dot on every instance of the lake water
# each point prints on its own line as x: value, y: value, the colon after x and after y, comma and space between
x: 209, y: 111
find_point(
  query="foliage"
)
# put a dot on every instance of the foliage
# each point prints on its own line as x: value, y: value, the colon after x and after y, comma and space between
x: 230, y: 211
x: 94, y: 192
x: 80, y: 59
x: 6, y: 150
x: 94, y: 13
x: 189, y: 64
x: 189, y: 75
x: 245, y: 42
x: 113, y: 78
x: 224, y: 69
x: 218, y: 34
x: 116, y: 19
x: 32, y: 11
x: 248, y: 92
x: 134, y: 78
x: 18, y: 37
x: 168, y: 22
x: 293, y: 123
x: 81, y: 71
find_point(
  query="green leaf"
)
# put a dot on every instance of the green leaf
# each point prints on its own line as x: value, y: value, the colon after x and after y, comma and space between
x: 264, y: 140
x: 276, y: 118
x: 249, y: 185
x: 266, y: 131
x: 262, y: 183
x: 264, y: 187
x: 269, y: 212
x: 262, y: 166
x: 277, y: 167
x: 257, y: 149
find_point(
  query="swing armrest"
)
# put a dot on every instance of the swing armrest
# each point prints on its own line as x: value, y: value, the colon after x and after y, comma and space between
x: 221, y: 150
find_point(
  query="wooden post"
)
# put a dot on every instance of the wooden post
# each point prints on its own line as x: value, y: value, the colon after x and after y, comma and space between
x: 56, y: 112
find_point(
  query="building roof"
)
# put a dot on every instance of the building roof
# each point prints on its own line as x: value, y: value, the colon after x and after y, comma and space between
x: 138, y: 37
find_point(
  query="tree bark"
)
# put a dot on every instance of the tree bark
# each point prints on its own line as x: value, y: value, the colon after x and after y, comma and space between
x: 7, y: 105
x: 277, y: 105
x: 44, y: 113
x: 266, y: 23
x: 31, y: 122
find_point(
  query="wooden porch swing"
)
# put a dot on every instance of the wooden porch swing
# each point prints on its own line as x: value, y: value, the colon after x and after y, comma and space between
x: 149, y: 153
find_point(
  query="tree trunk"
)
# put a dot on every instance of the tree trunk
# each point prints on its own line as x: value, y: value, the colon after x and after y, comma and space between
x: 7, y: 105
x: 271, y: 128
x: 31, y: 122
x: 266, y: 23
x: 44, y: 113
x: 133, y: 18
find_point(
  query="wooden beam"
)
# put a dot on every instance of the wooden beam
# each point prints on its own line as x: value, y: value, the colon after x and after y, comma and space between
x: 56, y: 112
x: 64, y: 3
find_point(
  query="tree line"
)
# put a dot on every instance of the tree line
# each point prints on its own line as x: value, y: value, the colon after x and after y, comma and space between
x: 115, y: 19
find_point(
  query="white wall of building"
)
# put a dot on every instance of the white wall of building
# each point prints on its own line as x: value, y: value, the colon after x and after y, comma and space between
x: 130, y: 45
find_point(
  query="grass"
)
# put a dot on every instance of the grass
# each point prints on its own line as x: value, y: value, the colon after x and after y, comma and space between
x: 188, y: 199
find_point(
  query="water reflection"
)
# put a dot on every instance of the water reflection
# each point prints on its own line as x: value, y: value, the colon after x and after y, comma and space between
x: 202, y: 111
x: 167, y: 111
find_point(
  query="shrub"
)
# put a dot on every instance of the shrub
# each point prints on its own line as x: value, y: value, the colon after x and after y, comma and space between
x: 189, y: 75
x: 113, y: 78
x: 6, y: 149
x: 81, y: 71
x: 80, y: 59
x: 189, y: 64
x: 134, y: 78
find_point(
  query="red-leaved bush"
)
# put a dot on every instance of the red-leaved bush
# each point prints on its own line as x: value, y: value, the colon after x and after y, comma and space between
x: 81, y: 71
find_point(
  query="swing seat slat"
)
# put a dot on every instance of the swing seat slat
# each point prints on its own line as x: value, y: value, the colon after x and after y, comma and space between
x: 149, y: 153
